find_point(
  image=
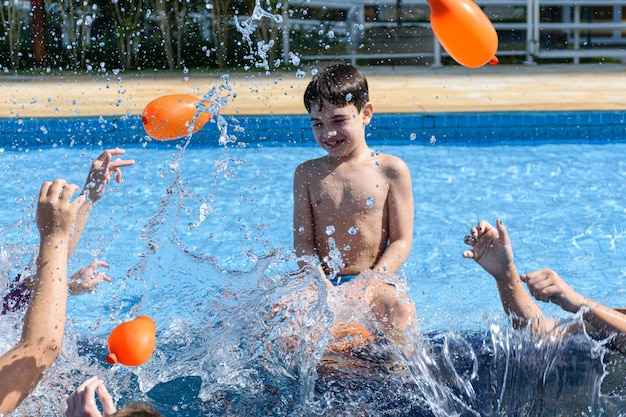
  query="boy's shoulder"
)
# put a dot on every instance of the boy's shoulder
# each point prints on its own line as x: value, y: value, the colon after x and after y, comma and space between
x: 391, y: 160
x: 311, y: 163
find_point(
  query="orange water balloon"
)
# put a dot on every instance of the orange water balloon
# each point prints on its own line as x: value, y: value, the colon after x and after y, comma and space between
x: 132, y: 343
x: 170, y: 117
x: 464, y: 31
x: 346, y: 338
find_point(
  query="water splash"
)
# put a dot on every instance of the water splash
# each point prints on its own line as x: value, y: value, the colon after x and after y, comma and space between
x: 258, y: 53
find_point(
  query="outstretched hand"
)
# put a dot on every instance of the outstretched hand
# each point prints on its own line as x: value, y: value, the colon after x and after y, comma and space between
x: 82, y: 402
x: 491, y: 248
x: 86, y: 279
x: 101, y: 171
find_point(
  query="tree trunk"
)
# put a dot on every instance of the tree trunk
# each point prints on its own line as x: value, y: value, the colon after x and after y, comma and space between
x: 38, y: 12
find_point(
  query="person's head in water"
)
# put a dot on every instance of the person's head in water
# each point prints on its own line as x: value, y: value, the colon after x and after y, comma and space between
x: 340, y: 85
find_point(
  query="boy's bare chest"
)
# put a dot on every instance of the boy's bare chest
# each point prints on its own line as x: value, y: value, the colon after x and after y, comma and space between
x: 354, y: 190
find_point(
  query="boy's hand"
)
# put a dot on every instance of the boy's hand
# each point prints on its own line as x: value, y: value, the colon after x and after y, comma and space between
x: 547, y: 286
x: 56, y: 213
x: 491, y: 248
x: 100, y: 173
x: 86, y: 279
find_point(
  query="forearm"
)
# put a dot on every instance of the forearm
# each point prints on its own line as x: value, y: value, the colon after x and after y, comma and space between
x: 45, y: 317
x: 607, y: 321
x: 393, y: 257
x: 516, y: 301
x: 81, y: 221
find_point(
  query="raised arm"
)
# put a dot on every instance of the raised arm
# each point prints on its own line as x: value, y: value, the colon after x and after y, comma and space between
x: 401, y: 216
x: 22, y: 367
x: 546, y: 285
x: 98, y: 178
x: 491, y: 249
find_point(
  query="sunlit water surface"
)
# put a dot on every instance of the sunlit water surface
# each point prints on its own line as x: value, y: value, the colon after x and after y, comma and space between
x: 200, y: 241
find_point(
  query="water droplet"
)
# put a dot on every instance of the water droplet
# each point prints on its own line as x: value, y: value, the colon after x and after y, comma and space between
x: 330, y: 230
x: 353, y: 230
x: 370, y: 202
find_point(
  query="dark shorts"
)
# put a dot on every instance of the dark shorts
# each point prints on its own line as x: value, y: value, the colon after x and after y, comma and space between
x: 17, y: 298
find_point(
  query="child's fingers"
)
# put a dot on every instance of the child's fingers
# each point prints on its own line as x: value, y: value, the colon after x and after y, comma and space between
x: 468, y: 254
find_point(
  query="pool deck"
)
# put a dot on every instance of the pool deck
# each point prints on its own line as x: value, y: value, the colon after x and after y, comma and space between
x: 392, y: 90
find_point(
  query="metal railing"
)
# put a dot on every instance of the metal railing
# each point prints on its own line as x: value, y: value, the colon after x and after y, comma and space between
x: 533, y: 33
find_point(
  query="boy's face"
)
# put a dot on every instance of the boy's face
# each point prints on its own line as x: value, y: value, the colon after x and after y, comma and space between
x: 340, y: 130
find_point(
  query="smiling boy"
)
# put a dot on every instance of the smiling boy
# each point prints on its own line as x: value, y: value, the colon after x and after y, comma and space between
x: 353, y: 208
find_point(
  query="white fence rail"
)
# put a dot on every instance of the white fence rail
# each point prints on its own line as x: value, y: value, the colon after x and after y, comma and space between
x: 534, y: 30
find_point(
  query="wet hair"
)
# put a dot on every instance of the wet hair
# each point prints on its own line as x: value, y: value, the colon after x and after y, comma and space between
x: 340, y: 85
x: 137, y: 410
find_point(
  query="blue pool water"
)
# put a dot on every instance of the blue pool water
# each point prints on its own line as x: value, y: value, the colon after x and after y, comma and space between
x: 199, y: 239
x: 447, y: 128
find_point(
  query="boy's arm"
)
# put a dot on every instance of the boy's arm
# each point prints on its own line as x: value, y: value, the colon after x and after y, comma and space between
x: 22, y: 367
x: 491, y: 249
x: 98, y: 178
x: 546, y: 285
x: 303, y: 223
x: 401, y: 216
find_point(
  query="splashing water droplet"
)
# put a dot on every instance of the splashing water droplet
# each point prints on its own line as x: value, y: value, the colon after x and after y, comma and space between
x: 334, y: 260
x: 294, y: 59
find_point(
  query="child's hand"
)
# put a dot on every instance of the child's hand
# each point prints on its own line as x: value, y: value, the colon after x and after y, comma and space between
x: 56, y: 213
x: 491, y: 248
x: 86, y: 279
x: 82, y: 402
x: 547, y: 286
x: 100, y: 173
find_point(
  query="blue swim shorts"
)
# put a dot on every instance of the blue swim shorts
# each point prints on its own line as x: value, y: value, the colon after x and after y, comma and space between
x: 342, y: 279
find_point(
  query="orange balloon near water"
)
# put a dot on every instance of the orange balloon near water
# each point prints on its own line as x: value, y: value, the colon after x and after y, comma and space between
x: 464, y: 31
x: 132, y: 343
x: 170, y: 117
x: 346, y: 338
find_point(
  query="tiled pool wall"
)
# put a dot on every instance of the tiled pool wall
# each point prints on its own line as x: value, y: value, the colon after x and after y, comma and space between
x: 475, y: 129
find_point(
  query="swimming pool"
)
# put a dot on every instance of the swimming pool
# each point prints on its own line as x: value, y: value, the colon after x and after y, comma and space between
x: 208, y: 282
x: 477, y: 129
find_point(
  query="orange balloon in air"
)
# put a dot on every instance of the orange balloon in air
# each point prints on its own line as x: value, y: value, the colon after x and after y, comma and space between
x: 464, y: 31
x: 132, y: 343
x: 169, y: 117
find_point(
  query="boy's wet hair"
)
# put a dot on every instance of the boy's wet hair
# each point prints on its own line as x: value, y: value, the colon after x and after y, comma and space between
x: 340, y: 85
x: 137, y: 410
